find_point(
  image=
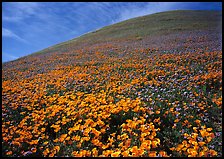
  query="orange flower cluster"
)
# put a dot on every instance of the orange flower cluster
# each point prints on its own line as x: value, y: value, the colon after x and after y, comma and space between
x: 195, y: 145
x: 138, y: 102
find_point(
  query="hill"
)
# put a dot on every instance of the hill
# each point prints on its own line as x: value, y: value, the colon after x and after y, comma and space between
x: 165, y: 31
x: 149, y: 86
x: 159, y: 24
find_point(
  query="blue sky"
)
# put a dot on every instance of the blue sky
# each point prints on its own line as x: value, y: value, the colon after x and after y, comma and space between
x: 28, y: 27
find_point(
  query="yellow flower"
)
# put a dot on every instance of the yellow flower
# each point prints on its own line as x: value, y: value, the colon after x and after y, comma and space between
x: 107, y: 153
x: 94, y: 152
x: 155, y: 143
x: 75, y: 153
x: 33, y: 142
x: 184, y: 142
x: 198, y: 122
x: 19, y: 144
x: 105, y: 146
x: 100, y: 123
x: 95, y: 141
x: 185, y: 135
x: 179, y: 147
x: 62, y: 137
x: 115, y: 154
x: 83, y: 153
x: 213, y: 152
x: 195, y: 129
x: 201, y: 143
x: 163, y: 154
x: 204, y: 133
x: 152, y: 153
x: 157, y: 112
x: 125, y: 154
x: 96, y: 132
x: 209, y: 129
x: 176, y: 120
x: 201, y: 153
x: 57, y: 148
x: 56, y: 127
x: 45, y: 152
x: 146, y: 145
x: 134, y: 149
x: 120, y: 145
x: 79, y: 145
x: 124, y: 136
x: 192, y: 152
x: 113, y: 134
x: 209, y: 138
x: 85, y: 138
x: 42, y: 129
x: 86, y: 131
x: 141, y: 151
x: 67, y: 138
x: 76, y: 138
x: 172, y: 148
x: 127, y: 143
x: 103, y: 130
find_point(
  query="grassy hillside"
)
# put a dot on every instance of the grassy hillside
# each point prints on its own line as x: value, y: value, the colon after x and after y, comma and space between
x: 146, y: 87
x: 158, y: 24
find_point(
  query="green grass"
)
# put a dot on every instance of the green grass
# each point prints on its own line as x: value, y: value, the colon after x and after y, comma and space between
x: 157, y: 24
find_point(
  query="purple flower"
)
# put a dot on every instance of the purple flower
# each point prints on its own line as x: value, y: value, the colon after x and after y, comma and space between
x: 217, y: 133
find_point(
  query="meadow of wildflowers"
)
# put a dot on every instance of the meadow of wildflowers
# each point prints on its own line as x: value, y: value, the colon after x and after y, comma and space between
x: 109, y: 100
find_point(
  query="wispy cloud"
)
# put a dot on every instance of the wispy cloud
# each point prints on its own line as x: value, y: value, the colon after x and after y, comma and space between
x: 17, y: 11
x: 138, y: 9
x: 10, y: 34
x: 9, y: 56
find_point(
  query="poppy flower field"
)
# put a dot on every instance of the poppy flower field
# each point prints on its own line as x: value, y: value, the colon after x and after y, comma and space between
x: 136, y: 102
x: 153, y: 89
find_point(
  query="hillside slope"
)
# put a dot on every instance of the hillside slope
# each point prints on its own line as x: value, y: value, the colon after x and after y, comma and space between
x: 146, y: 87
x: 165, y: 31
x: 158, y: 24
